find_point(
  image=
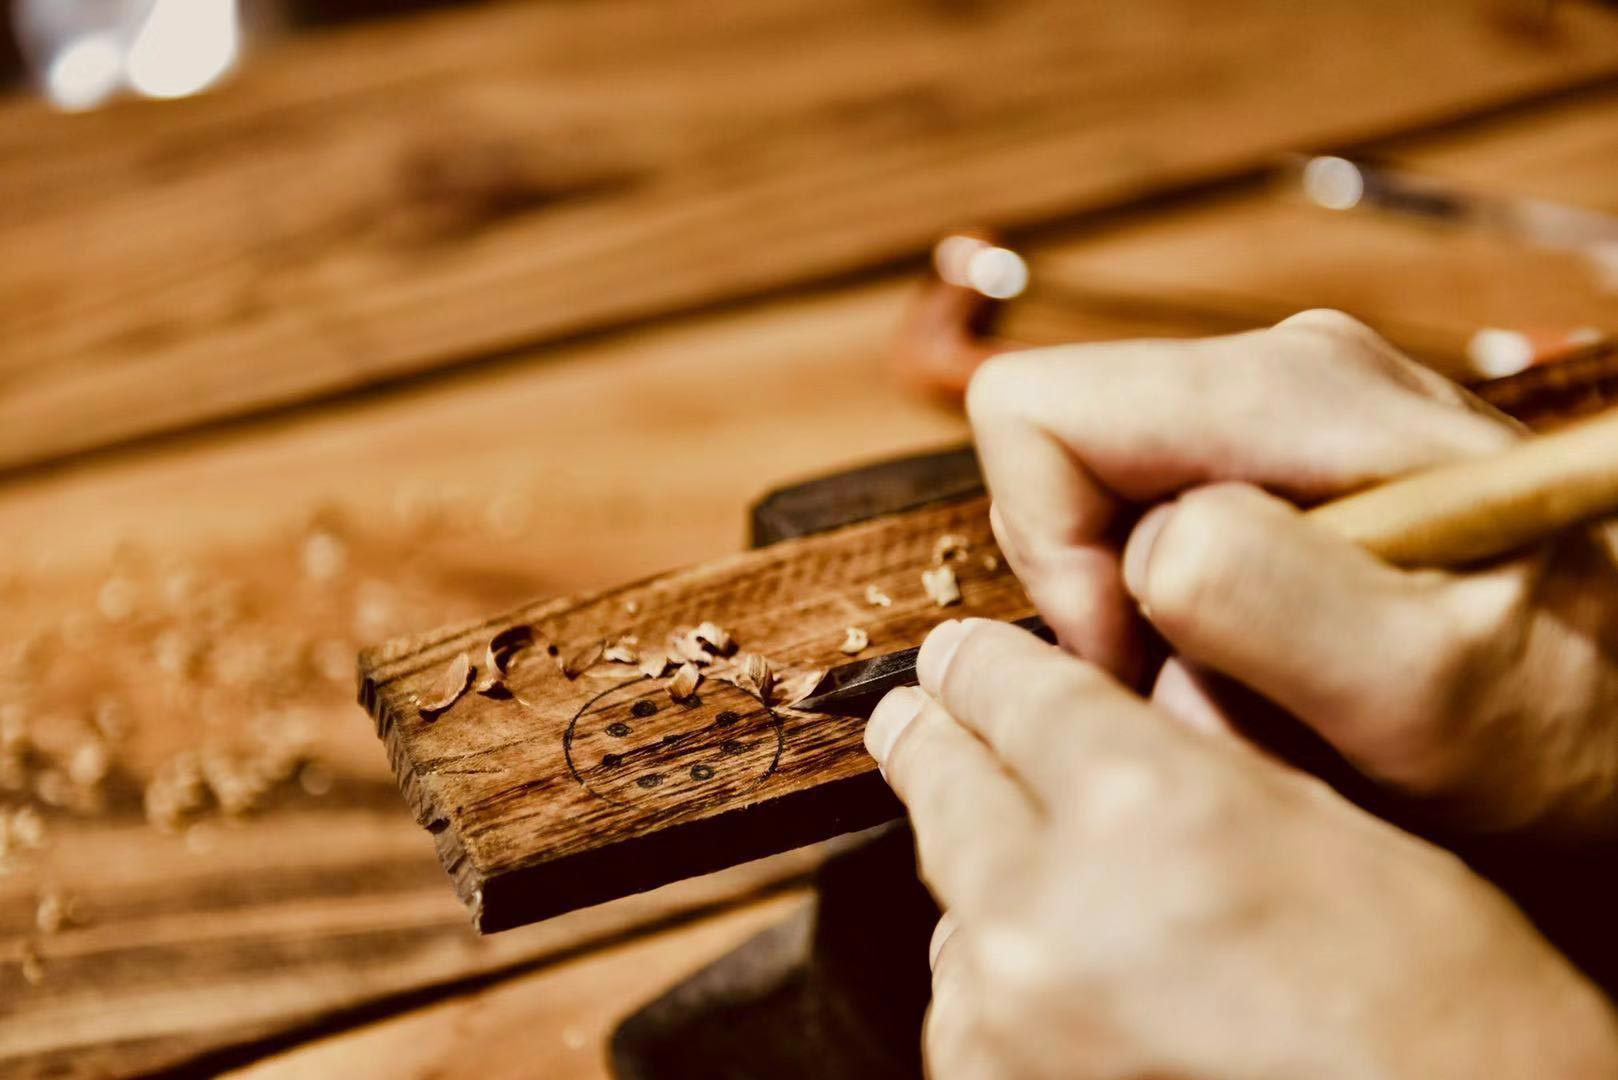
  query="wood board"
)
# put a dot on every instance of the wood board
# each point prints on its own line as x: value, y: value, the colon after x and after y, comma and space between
x: 579, y: 788
x: 389, y: 201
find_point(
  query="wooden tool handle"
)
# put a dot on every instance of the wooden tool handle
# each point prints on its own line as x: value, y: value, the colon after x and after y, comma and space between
x: 1486, y: 506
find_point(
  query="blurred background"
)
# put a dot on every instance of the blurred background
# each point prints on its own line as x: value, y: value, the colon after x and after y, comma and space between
x: 322, y: 323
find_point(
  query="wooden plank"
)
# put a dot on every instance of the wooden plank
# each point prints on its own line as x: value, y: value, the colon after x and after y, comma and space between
x: 555, y: 1022
x: 388, y: 201
x: 576, y: 786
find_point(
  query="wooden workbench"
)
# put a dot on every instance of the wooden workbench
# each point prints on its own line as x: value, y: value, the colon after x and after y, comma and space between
x: 429, y: 317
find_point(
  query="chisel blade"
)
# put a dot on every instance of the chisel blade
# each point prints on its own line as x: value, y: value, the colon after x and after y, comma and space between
x: 853, y: 689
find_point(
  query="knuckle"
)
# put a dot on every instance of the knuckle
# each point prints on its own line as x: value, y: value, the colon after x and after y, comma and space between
x: 1329, y: 321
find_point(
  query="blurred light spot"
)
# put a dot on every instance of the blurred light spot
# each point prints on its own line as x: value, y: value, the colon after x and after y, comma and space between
x: 184, y: 47
x: 83, y: 74
x: 998, y: 273
x: 1333, y: 182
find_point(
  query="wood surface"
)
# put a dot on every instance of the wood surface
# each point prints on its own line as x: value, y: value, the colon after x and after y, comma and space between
x: 147, y: 235
x: 578, y: 788
x: 552, y: 1023
x: 376, y: 203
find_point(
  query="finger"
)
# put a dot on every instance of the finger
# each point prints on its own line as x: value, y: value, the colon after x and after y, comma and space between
x: 954, y: 1044
x: 1240, y: 582
x: 1049, y: 717
x: 942, y: 933
x: 1315, y: 405
x: 1179, y: 692
x: 974, y: 826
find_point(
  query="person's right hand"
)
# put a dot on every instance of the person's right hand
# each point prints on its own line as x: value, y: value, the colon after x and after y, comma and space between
x: 1490, y: 694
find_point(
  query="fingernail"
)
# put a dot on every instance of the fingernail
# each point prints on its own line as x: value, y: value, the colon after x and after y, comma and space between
x: 1138, y: 549
x: 937, y: 651
x: 893, y: 714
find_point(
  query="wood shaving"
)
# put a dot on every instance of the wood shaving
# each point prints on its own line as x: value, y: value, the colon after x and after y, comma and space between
x: 716, y: 636
x: 448, y: 689
x: 57, y: 911
x: 685, y: 646
x: 621, y: 652
x: 793, y: 689
x: 491, y: 685
x: 941, y: 586
x: 504, y: 646
x: 855, y: 640
x: 753, y: 675
x: 653, y: 663
x: 32, y: 964
x: 949, y: 546
x: 583, y: 660
x: 876, y: 597
x: 684, y: 683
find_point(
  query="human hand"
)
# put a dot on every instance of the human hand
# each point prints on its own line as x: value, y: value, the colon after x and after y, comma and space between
x: 1489, y: 695
x: 1127, y: 897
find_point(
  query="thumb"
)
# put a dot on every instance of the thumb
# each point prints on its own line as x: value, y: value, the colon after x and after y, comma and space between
x: 1241, y: 582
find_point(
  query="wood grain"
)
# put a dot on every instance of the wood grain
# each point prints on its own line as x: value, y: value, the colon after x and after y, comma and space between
x: 384, y: 202
x: 553, y: 1023
x: 578, y: 790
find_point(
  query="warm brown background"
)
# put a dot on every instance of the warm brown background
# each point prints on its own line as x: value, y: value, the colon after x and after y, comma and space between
x: 423, y: 318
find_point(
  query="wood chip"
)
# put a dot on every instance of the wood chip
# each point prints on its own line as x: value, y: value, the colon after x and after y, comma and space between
x: 715, y: 636
x: 793, y: 689
x: 448, y: 689
x: 755, y: 677
x: 620, y: 652
x: 949, y: 546
x: 941, y: 585
x: 684, y: 645
x: 684, y: 683
x: 32, y: 963
x: 632, y: 607
x: 56, y: 912
x: 876, y: 597
x: 504, y: 647
x: 653, y: 662
x: 855, y: 639
x: 492, y: 685
x: 991, y: 563
x: 583, y: 660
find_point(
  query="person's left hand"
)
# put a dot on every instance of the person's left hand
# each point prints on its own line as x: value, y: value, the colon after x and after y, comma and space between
x: 1127, y: 897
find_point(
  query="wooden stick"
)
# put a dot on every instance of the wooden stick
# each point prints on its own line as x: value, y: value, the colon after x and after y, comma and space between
x: 1486, y: 506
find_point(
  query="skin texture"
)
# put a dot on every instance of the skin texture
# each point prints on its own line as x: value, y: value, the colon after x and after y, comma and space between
x: 1129, y: 898
x: 1133, y: 890
x: 1489, y: 697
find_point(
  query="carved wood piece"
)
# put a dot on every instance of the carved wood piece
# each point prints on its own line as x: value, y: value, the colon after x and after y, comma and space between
x: 575, y: 791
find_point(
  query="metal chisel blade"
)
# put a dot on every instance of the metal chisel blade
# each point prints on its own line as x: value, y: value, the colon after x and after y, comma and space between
x: 853, y: 689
